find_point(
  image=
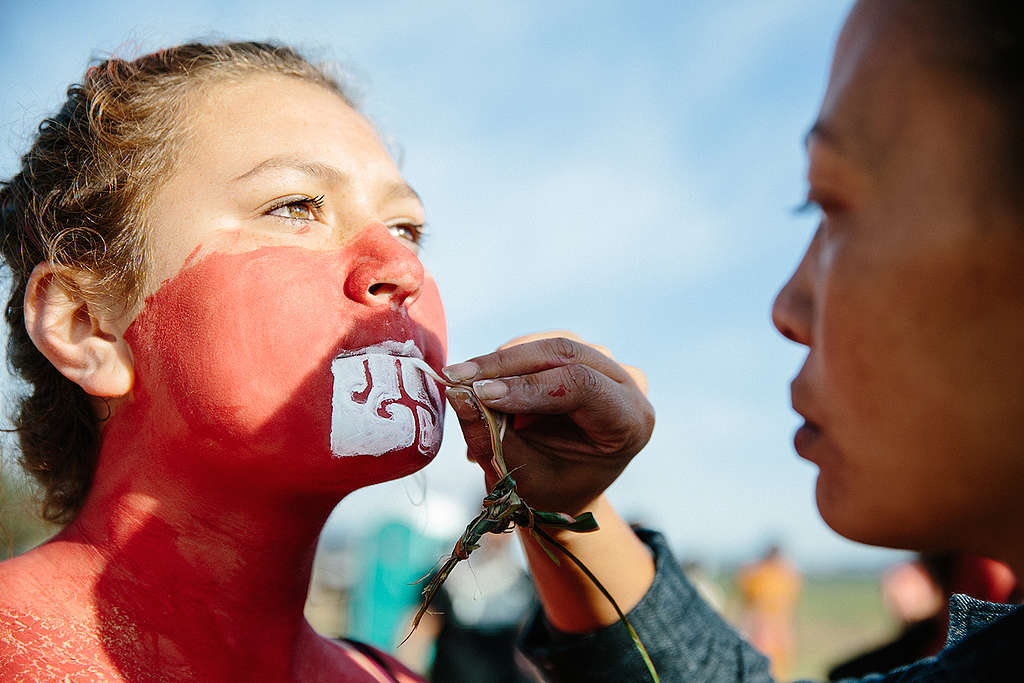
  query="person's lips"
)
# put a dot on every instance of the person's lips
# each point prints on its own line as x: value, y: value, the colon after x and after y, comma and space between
x: 806, y: 439
x: 809, y: 438
x: 387, y: 347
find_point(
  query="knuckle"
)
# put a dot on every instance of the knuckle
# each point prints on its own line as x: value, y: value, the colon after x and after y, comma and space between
x: 563, y: 350
x: 504, y: 363
x: 583, y: 377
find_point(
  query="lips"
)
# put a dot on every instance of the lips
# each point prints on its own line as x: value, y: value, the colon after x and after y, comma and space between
x: 809, y: 436
x: 388, y: 347
x: 805, y: 439
x: 383, y: 403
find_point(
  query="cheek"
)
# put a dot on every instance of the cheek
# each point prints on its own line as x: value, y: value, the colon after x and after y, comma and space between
x: 917, y: 355
x: 235, y: 338
x: 868, y: 373
x: 239, y: 348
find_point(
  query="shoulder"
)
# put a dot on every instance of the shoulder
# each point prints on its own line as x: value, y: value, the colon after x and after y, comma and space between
x: 38, y: 644
x: 45, y: 624
x: 46, y: 579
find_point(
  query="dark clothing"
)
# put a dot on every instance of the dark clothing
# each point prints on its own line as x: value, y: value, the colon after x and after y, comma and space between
x: 917, y: 640
x: 480, y: 652
x: 690, y: 643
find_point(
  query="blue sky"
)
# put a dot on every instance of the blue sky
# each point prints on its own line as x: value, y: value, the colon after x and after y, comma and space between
x: 624, y: 170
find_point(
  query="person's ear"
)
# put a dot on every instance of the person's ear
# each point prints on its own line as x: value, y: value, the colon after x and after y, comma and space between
x: 78, y: 338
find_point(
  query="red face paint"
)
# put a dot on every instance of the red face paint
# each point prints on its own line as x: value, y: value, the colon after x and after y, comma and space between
x: 237, y: 350
x: 194, y: 549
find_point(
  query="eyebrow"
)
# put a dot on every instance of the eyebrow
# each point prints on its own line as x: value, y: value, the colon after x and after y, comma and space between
x: 321, y: 171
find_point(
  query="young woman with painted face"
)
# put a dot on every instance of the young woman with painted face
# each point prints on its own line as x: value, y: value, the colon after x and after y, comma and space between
x: 216, y: 291
x: 910, y: 301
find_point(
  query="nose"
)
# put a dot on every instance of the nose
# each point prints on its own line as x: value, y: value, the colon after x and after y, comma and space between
x: 793, y: 309
x: 384, y: 271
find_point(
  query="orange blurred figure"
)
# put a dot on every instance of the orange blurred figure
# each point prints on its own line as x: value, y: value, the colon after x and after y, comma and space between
x: 770, y: 589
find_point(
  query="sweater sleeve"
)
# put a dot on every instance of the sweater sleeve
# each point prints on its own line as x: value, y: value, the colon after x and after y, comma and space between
x: 686, y: 639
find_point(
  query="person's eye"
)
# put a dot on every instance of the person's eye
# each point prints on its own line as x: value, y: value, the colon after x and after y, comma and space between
x: 818, y: 203
x: 300, y: 208
x: 414, y: 233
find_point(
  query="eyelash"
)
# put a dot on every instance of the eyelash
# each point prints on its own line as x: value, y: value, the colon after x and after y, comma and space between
x: 805, y: 207
x: 823, y: 205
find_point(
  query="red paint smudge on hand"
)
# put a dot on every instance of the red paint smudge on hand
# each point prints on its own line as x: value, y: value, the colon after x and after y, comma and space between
x: 559, y: 392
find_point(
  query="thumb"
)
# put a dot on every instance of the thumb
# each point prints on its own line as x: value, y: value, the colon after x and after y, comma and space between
x: 474, y: 426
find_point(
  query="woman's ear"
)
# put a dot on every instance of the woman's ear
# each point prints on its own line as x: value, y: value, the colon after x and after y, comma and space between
x: 82, y: 344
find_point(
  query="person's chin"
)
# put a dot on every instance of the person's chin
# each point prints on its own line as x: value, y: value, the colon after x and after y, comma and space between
x: 840, y: 510
x: 359, y: 471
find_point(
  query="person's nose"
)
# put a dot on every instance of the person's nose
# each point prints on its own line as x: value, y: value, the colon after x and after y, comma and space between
x: 384, y: 271
x: 793, y: 309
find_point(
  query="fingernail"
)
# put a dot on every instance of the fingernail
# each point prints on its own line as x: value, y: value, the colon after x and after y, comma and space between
x: 490, y: 389
x: 461, y: 372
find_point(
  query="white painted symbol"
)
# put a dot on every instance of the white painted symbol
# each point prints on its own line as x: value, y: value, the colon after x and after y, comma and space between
x: 383, y: 403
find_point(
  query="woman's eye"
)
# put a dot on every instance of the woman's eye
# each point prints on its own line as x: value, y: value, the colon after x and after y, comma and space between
x: 410, y: 232
x: 298, y: 209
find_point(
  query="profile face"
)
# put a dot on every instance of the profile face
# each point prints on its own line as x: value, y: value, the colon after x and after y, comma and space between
x: 284, y: 251
x: 910, y: 301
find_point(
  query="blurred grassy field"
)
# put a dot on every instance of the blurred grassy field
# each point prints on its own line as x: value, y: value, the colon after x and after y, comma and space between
x: 839, y: 615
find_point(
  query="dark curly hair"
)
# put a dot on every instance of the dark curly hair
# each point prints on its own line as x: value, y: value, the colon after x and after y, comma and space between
x: 78, y: 203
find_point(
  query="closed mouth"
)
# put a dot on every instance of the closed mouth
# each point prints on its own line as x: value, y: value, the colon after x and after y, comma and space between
x: 389, y: 347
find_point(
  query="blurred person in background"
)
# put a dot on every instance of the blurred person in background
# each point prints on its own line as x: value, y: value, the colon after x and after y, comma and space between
x: 481, y: 609
x: 769, y: 590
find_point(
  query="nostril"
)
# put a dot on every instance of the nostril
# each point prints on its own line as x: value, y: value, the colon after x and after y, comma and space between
x: 379, y: 288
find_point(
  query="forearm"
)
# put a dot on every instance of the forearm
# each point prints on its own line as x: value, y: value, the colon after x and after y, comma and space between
x: 614, y: 554
x: 686, y: 639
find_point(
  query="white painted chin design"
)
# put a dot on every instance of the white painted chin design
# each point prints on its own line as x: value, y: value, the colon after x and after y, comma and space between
x: 384, y: 403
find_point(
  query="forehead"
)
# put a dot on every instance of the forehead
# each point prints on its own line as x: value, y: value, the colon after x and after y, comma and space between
x: 876, y: 83
x: 890, y: 96
x: 234, y: 124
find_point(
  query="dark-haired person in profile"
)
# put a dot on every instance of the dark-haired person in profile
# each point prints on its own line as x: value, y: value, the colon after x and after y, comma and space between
x: 910, y: 302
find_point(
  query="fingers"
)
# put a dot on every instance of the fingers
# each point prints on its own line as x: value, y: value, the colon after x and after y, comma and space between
x: 552, y: 334
x: 541, y: 374
x: 537, y: 356
x: 612, y: 414
x: 553, y: 392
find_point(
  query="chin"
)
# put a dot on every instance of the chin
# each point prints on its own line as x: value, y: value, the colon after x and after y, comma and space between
x: 345, y: 475
x: 869, y: 524
x: 397, y: 465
